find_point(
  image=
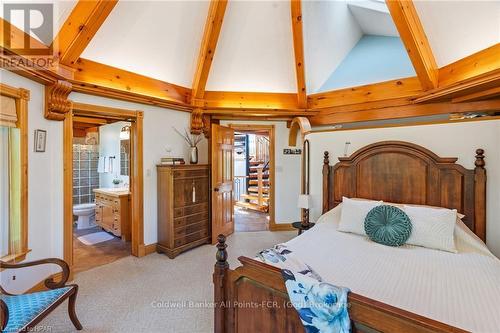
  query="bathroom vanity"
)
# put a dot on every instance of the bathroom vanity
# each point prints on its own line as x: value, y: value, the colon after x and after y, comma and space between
x: 112, y: 211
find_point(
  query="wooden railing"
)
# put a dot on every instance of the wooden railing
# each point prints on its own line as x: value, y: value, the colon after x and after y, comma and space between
x: 261, y: 148
x: 260, y: 186
x: 239, y: 187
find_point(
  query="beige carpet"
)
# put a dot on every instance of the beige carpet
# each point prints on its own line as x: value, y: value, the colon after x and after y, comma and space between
x: 124, y: 296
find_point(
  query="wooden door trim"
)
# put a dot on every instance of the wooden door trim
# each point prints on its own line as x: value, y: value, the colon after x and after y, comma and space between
x: 271, y: 129
x: 137, y: 181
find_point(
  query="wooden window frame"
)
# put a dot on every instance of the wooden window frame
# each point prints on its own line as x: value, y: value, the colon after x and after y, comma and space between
x: 22, y: 97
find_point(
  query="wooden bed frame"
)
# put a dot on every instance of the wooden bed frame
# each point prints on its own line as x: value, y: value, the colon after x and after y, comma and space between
x: 253, y: 298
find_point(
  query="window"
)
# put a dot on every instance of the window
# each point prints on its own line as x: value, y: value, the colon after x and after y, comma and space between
x: 13, y: 174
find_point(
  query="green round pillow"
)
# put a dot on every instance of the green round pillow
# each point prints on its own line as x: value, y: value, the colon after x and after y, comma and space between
x: 388, y: 225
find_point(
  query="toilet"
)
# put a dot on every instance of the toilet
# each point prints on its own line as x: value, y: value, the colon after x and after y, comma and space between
x: 86, y: 215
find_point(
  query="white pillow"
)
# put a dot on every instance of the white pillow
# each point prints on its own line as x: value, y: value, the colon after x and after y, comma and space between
x: 352, y: 218
x: 467, y: 241
x: 432, y: 227
x: 401, y: 206
x: 332, y: 216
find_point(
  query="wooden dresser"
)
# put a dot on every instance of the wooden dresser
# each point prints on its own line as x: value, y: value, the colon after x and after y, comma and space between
x: 183, y: 208
x: 112, y: 212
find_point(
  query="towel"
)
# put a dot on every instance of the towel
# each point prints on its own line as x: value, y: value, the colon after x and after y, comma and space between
x: 322, y: 307
x: 111, y: 164
x: 101, y: 165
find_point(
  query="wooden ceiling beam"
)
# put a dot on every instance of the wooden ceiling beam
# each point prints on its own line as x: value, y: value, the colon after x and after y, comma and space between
x: 80, y: 27
x: 480, y: 95
x: 406, y: 88
x: 259, y: 112
x: 102, y: 78
x: 11, y: 37
x: 250, y: 100
x: 298, y: 48
x: 481, y: 63
x: 406, y: 111
x: 211, y: 33
x: 412, y: 34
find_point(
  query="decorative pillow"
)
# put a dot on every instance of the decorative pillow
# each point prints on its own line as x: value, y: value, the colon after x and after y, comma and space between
x: 401, y: 206
x: 388, y: 225
x: 432, y: 227
x: 352, y: 217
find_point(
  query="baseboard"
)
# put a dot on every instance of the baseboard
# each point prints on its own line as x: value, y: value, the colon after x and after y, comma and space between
x: 40, y: 286
x: 281, y: 227
x: 149, y: 249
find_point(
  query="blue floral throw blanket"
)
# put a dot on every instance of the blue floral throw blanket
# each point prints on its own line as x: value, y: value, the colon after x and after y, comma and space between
x: 322, y: 307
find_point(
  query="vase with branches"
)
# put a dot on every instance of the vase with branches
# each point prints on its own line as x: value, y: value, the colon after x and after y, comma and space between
x: 192, y: 140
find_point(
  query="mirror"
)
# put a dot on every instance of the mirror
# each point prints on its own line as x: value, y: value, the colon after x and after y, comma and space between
x: 124, y: 157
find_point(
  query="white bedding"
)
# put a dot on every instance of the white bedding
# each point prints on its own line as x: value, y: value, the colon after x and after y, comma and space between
x: 461, y: 289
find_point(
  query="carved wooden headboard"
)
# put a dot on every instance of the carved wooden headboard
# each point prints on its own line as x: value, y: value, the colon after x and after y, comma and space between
x: 402, y: 172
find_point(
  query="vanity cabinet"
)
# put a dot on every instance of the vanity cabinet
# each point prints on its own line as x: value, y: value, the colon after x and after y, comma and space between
x: 183, y: 208
x: 113, y: 212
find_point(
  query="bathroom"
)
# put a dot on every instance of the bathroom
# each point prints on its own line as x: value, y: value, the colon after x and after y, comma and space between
x: 101, y: 196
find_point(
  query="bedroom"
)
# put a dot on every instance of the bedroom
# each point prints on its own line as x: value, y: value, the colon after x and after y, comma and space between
x: 402, y: 73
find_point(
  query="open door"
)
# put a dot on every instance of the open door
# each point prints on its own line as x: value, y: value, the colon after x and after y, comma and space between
x: 222, y: 181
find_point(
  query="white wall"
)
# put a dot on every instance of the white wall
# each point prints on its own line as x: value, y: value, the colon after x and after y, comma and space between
x: 287, y: 169
x: 447, y: 140
x: 109, y: 145
x: 159, y: 137
x: 45, y: 189
x: 45, y: 174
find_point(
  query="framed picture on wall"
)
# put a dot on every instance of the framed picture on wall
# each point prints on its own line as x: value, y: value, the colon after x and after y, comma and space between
x: 40, y: 140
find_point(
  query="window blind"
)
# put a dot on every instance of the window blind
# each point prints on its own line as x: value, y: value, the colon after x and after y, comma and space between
x: 8, y: 114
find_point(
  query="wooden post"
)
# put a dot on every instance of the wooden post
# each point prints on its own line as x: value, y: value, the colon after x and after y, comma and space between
x: 480, y: 195
x: 326, y: 180
x: 260, y: 187
x: 219, y: 278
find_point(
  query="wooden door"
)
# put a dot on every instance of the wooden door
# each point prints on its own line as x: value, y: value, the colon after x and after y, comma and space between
x: 222, y: 181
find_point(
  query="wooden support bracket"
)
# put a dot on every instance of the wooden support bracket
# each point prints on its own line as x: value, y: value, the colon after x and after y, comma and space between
x: 197, y: 121
x: 57, y: 103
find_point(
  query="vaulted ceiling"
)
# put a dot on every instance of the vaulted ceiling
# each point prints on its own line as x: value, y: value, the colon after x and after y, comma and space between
x: 338, y: 53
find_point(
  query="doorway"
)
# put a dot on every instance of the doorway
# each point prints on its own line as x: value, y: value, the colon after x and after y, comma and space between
x: 103, y: 186
x: 253, y: 177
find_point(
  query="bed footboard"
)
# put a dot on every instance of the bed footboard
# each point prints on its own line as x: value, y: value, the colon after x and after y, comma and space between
x: 253, y: 298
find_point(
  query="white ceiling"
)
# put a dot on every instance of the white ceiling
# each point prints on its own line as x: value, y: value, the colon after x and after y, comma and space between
x: 457, y: 29
x: 255, y: 49
x: 330, y: 32
x: 159, y: 39
x: 373, y: 17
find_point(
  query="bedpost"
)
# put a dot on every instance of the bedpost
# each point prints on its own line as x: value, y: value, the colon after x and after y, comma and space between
x: 326, y: 182
x: 219, y: 278
x: 480, y: 195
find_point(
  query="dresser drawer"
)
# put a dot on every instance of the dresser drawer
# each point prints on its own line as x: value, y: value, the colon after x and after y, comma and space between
x: 189, y: 229
x: 116, y: 222
x: 193, y: 237
x: 190, y: 210
x: 195, y: 218
x: 190, y: 173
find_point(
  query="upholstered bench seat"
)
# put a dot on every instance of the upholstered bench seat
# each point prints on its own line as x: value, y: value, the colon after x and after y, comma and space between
x: 23, y: 309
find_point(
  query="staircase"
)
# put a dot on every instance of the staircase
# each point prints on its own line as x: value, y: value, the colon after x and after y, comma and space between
x: 257, y: 196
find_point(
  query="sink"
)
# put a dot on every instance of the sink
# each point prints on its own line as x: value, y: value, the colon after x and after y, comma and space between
x: 115, y: 189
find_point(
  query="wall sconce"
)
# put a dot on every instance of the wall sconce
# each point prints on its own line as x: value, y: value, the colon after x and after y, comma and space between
x: 125, y: 133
